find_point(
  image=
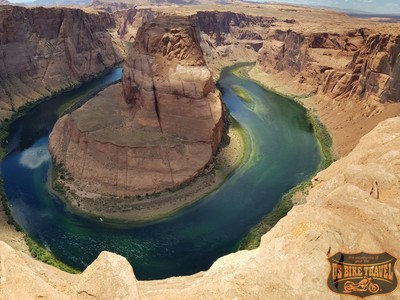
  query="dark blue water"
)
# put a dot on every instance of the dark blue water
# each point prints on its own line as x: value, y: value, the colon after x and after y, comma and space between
x: 282, y: 152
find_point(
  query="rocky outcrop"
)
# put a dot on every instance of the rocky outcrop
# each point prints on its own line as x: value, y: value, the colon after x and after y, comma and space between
x: 162, y: 133
x: 310, y: 57
x: 130, y: 20
x: 352, y: 207
x: 347, y: 75
x: 375, y: 70
x: 110, y: 7
x: 224, y: 27
x: 226, y: 37
x: 109, y: 277
x: 229, y: 37
x: 45, y: 50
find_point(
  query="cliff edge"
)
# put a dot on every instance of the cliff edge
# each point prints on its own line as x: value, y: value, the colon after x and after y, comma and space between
x: 45, y: 50
x: 353, y: 206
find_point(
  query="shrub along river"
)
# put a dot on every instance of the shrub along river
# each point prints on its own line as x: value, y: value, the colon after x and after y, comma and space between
x: 282, y: 152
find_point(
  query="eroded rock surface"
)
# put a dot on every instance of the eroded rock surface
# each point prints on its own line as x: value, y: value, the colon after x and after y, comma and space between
x: 109, y: 277
x: 358, y: 64
x: 347, y: 72
x: 353, y: 206
x: 44, y: 50
x: 130, y: 20
x: 163, y: 131
x: 225, y: 37
x: 229, y: 37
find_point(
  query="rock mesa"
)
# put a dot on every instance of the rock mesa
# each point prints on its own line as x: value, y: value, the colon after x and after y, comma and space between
x: 163, y: 131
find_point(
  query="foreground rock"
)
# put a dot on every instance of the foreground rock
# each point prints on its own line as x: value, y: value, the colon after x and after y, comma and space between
x: 162, y: 133
x: 109, y: 277
x: 352, y: 207
x: 46, y: 50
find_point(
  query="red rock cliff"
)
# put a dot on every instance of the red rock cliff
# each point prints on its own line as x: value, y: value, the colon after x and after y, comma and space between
x: 349, y: 75
x: 359, y: 64
x: 44, y: 50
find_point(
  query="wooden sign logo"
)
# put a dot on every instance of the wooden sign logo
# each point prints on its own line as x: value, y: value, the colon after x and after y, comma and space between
x: 362, y: 274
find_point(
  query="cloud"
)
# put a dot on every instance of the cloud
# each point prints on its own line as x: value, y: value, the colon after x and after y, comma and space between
x: 33, y: 157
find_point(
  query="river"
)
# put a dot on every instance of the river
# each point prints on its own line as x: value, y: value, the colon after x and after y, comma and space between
x: 282, y: 152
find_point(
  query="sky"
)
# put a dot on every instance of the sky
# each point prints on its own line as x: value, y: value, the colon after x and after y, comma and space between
x: 371, y: 6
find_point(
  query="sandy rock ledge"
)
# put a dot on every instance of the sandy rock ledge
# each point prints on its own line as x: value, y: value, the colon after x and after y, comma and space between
x: 353, y: 206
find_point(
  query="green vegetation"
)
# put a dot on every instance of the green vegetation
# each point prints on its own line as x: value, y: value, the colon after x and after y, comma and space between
x: 5, y: 125
x: 241, y: 93
x: 44, y: 255
x: 66, y: 106
x: 253, y: 238
x: 6, y: 208
x: 57, y: 170
x: 242, y: 69
x: 285, y: 204
x: 324, y: 141
x: 36, y: 251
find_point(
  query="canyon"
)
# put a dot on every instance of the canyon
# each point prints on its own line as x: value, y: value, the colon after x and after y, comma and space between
x: 343, y: 69
x: 162, y: 133
x: 346, y: 69
x: 47, y: 50
x: 360, y: 190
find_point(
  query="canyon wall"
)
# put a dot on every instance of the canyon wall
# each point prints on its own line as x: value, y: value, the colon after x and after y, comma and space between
x: 352, y: 207
x: 157, y: 130
x: 226, y: 37
x: 347, y: 74
x: 229, y: 37
x: 358, y: 64
x: 130, y: 20
x: 45, y: 50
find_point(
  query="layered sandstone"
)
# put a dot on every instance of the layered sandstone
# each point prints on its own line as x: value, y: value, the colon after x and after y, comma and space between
x: 45, y: 50
x: 130, y: 20
x: 156, y: 131
x: 348, y: 73
x: 352, y: 207
x: 357, y: 64
x: 229, y: 37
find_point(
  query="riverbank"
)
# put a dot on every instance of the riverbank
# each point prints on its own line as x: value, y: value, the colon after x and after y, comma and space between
x: 297, y: 195
x: 162, y: 204
x: 11, y: 232
x: 21, y: 111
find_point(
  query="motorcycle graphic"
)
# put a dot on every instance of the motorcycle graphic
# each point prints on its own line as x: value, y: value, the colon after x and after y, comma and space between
x: 364, y: 285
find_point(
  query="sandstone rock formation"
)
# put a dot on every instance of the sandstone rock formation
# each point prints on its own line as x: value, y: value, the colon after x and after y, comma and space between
x: 109, y: 277
x: 164, y: 135
x: 130, y: 20
x: 46, y: 50
x: 226, y: 37
x: 358, y: 64
x: 229, y: 37
x: 347, y: 72
x: 352, y: 207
